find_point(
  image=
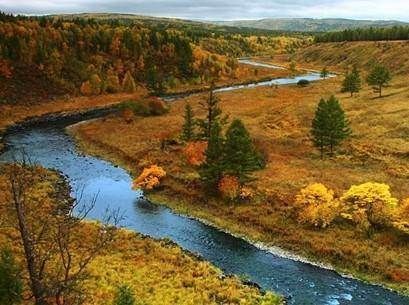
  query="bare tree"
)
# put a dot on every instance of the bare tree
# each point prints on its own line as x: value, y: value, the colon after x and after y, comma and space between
x: 52, y: 235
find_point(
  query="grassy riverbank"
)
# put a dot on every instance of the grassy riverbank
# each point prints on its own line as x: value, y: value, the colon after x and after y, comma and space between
x: 279, y: 120
x: 157, y: 271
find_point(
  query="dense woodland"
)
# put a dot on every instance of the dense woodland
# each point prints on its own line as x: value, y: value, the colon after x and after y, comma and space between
x: 366, y: 34
x: 93, y: 56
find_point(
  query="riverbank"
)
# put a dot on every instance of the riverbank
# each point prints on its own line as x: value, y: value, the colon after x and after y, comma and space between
x: 157, y: 271
x: 283, y: 113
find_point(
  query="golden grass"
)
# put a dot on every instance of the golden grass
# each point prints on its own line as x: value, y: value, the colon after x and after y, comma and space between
x: 158, y: 272
x: 341, y: 56
x: 279, y: 119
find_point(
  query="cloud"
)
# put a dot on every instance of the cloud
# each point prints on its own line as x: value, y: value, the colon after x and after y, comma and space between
x: 220, y: 9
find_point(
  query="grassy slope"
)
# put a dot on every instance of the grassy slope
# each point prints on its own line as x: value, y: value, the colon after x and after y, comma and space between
x: 279, y: 119
x: 157, y: 271
x: 340, y: 56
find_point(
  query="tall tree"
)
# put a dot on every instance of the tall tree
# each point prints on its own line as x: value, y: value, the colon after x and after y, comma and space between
x: 11, y: 285
x: 55, y: 258
x: 324, y: 73
x: 211, y: 170
x: 213, y: 114
x: 188, y: 132
x: 239, y: 155
x: 379, y: 77
x: 124, y: 296
x: 330, y: 125
x: 352, y: 82
x: 128, y: 84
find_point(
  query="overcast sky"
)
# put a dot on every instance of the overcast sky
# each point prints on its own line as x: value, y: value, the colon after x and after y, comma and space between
x: 220, y: 9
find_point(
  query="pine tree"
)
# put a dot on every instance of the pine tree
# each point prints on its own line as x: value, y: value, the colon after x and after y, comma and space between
x: 112, y: 82
x: 239, y: 155
x: 379, y: 77
x: 128, y: 83
x: 213, y: 116
x: 352, y: 82
x: 324, y: 73
x: 124, y: 296
x: 11, y: 285
x: 188, y: 132
x: 212, y: 169
x: 330, y: 126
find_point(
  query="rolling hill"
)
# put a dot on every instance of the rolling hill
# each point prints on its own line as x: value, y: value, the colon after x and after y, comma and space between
x: 309, y: 24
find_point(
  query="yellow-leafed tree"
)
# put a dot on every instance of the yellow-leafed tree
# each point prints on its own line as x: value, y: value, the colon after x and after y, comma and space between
x: 128, y: 83
x: 316, y: 205
x: 150, y: 178
x: 369, y: 204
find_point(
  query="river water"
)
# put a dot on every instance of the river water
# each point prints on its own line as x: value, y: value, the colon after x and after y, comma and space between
x: 301, y: 283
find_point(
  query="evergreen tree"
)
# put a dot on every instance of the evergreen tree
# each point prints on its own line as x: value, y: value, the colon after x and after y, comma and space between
x: 239, y: 156
x: 112, y: 82
x: 352, y: 82
x: 128, y: 83
x: 124, y: 296
x: 11, y: 285
x: 330, y: 126
x: 188, y: 127
x: 324, y: 73
x: 213, y: 116
x: 379, y: 77
x: 212, y: 169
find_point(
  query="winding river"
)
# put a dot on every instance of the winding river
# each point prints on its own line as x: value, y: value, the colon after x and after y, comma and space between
x: 301, y: 283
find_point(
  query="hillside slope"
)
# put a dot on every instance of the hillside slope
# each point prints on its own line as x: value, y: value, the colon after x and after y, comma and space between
x: 340, y: 56
x: 309, y: 24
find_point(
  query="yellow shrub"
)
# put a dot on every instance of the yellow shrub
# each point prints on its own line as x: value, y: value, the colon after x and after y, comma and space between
x: 369, y: 204
x: 316, y: 205
x: 401, y: 222
x: 150, y: 178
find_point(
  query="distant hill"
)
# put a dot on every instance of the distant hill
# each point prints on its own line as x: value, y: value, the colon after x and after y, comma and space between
x: 309, y: 24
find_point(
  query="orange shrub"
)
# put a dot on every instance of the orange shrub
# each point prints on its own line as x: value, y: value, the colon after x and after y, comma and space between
x: 157, y: 106
x: 229, y: 187
x: 195, y: 152
x: 86, y: 88
x: 150, y: 178
x: 5, y: 69
x: 128, y: 115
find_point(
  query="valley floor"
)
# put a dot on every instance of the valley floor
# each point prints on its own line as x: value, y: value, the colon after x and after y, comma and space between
x: 279, y: 119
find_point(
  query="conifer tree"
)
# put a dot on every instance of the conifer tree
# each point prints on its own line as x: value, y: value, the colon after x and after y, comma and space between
x: 212, y: 169
x: 128, y: 83
x: 213, y: 115
x: 11, y: 285
x: 239, y: 155
x: 379, y: 77
x: 352, y: 82
x: 330, y: 125
x: 124, y: 296
x: 188, y: 132
x: 112, y: 82
x: 324, y: 73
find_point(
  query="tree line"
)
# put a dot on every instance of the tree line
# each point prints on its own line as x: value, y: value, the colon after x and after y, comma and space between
x: 365, y: 34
